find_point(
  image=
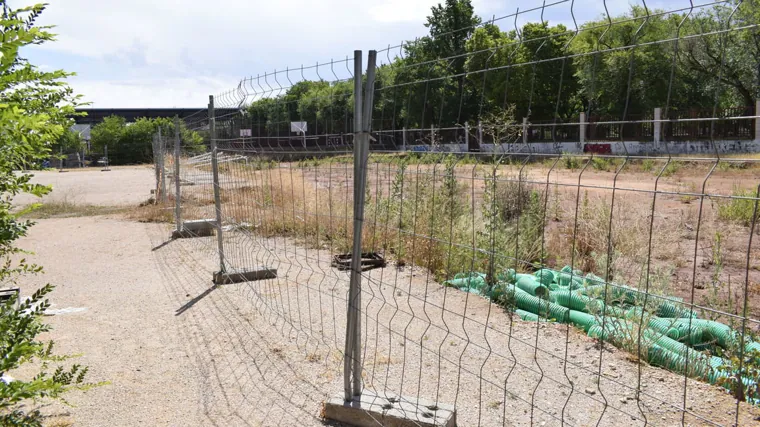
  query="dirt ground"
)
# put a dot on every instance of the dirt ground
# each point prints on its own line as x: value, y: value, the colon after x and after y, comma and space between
x: 179, y: 352
x: 123, y: 185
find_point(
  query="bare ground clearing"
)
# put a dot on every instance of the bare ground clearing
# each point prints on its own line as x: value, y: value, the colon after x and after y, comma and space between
x: 181, y: 353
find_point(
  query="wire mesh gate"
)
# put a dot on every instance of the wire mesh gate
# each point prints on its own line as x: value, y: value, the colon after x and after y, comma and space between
x: 519, y: 284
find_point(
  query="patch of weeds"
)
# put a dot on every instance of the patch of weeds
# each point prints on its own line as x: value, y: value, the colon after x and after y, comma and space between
x: 150, y: 212
x: 601, y: 164
x: 688, y: 198
x: 65, y: 209
x: 725, y: 166
x: 740, y: 208
x: 571, y: 162
x: 671, y: 169
x: 647, y: 165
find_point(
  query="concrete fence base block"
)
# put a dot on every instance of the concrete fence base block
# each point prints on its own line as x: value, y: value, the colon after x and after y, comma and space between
x: 371, y: 409
x: 195, y: 228
x: 244, y: 275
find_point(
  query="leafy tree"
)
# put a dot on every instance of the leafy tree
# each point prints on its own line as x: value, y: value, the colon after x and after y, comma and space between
x: 69, y: 142
x: 437, y: 63
x: 131, y: 143
x: 35, y: 107
x: 464, y: 71
x: 732, y: 57
x: 107, y: 133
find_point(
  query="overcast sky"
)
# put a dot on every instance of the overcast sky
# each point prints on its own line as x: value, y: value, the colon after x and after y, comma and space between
x: 174, y: 53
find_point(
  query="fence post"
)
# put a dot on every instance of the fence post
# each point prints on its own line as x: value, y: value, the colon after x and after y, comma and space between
x: 480, y: 134
x: 403, y: 138
x: 525, y: 130
x: 432, y: 136
x: 467, y: 136
x: 156, y: 164
x: 582, y: 132
x: 177, y: 189
x: 352, y: 380
x: 757, y: 121
x: 162, y: 170
x: 348, y: 355
x: 215, y: 176
x: 657, y: 127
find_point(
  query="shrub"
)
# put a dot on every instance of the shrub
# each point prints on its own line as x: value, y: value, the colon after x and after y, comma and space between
x: 571, y: 162
x: 37, y: 107
x: 19, y: 344
x: 740, y: 208
x: 601, y: 164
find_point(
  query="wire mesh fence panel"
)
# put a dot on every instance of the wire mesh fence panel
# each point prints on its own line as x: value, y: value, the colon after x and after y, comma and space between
x: 532, y: 286
x: 506, y: 249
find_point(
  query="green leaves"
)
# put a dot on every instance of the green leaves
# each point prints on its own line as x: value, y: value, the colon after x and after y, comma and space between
x: 133, y: 144
x: 35, y: 111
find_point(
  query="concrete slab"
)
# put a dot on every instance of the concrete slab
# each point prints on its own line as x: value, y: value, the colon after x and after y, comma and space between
x: 196, y: 228
x: 371, y: 409
x: 244, y: 275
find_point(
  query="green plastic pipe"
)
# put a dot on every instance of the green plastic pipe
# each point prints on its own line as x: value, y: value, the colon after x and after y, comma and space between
x: 581, y: 319
x: 526, y: 315
x: 545, y: 276
x: 541, y: 307
x: 529, y: 284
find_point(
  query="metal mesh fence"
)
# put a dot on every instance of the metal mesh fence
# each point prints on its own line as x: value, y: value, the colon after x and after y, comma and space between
x: 448, y: 233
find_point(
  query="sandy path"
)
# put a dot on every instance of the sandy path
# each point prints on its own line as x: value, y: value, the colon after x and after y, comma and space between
x: 123, y: 185
x: 128, y: 335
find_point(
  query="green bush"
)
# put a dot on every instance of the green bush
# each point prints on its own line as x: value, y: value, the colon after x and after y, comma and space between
x: 21, y: 325
x: 37, y: 107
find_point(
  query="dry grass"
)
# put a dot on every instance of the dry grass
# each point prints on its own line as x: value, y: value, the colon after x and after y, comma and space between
x: 151, y: 212
x: 64, y: 209
x: 448, y: 219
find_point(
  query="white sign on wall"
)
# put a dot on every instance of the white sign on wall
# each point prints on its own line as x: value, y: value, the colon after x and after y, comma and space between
x: 246, y: 132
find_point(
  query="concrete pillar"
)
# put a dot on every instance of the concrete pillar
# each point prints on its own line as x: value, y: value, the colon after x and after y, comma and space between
x: 757, y: 121
x: 525, y: 130
x: 480, y: 134
x: 403, y: 139
x: 657, y: 126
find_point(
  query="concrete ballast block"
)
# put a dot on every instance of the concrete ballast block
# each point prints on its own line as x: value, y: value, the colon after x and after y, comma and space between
x: 371, y: 409
x: 244, y: 275
x: 196, y: 228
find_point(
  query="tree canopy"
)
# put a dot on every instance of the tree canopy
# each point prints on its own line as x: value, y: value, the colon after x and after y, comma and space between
x: 132, y: 143
x: 618, y: 67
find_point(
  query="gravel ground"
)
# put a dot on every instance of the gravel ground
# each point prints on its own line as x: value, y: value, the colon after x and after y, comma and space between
x: 179, y: 352
x: 123, y: 185
x: 128, y: 335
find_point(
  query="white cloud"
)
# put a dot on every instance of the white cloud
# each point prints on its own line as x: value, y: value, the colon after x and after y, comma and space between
x: 149, y: 93
x: 144, y: 53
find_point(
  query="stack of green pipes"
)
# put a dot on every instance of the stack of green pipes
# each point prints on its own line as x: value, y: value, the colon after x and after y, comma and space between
x: 672, y: 336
